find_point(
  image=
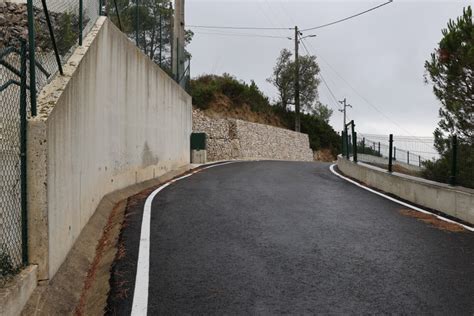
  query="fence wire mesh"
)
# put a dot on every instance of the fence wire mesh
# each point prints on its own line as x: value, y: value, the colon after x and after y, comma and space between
x: 66, y: 19
x: 417, y: 156
x: 149, y: 24
x: 11, y: 241
x: 408, y: 153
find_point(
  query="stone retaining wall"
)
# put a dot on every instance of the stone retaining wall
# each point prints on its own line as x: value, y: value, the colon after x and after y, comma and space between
x: 237, y: 139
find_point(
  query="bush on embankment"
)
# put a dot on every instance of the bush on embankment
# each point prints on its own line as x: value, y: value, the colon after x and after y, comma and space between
x: 234, y: 98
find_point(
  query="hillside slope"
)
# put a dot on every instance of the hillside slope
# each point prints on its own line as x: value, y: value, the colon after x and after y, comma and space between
x: 222, y: 107
x: 226, y: 97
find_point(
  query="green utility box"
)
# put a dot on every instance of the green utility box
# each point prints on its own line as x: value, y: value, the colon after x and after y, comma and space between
x: 198, y: 141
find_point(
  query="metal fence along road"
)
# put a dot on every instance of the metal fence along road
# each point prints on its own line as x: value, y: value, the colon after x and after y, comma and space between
x: 39, y: 41
x: 414, y: 156
x: 13, y: 100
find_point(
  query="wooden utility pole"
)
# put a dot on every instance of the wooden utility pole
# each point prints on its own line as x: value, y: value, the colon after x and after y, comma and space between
x: 178, y: 39
x: 344, y: 103
x: 297, y: 82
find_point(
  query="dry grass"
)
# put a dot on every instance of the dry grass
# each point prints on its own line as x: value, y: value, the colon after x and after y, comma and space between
x: 105, y: 244
x: 221, y: 107
x: 400, y: 169
x: 433, y: 221
x: 324, y: 155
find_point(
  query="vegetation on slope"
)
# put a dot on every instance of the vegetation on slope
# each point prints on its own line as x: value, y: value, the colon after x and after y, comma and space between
x: 234, y: 98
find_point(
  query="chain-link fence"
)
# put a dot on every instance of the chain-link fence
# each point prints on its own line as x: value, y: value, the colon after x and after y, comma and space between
x: 59, y: 26
x: 13, y: 101
x: 45, y: 33
x: 450, y: 162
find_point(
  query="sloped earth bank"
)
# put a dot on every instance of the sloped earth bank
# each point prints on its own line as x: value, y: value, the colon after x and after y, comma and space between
x: 290, y: 238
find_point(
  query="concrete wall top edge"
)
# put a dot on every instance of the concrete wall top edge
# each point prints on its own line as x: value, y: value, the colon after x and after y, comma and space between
x: 148, y: 60
x: 413, y: 179
x: 52, y: 92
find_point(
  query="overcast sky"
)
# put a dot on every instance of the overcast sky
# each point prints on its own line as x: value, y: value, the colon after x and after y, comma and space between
x: 379, y: 55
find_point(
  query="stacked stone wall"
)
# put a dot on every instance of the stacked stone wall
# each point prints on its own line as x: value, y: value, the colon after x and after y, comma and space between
x: 237, y: 139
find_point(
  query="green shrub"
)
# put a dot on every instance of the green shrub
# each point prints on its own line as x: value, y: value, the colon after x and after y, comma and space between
x: 202, y: 96
x: 206, y: 87
x: 440, y: 170
x: 66, y: 35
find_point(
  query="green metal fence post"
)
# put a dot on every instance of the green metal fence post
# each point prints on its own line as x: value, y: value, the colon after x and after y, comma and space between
x: 408, y: 157
x: 23, y: 104
x: 379, y: 148
x: 342, y: 143
x: 31, y: 48
x: 354, y: 140
x: 394, y: 153
x: 419, y: 161
x: 363, y: 145
x: 346, y: 139
x: 81, y: 18
x: 390, y: 162
x: 53, y: 39
x: 100, y: 7
x: 452, y: 178
x: 118, y: 15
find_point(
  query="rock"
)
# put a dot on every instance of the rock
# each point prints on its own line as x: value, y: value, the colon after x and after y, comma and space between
x: 237, y: 139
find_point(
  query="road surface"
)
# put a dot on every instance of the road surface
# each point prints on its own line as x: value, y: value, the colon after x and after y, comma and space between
x: 290, y: 238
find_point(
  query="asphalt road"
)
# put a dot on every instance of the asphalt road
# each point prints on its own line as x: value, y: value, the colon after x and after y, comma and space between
x: 290, y: 238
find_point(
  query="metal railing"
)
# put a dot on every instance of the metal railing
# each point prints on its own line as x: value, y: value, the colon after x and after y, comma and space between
x: 13, y: 111
x: 415, y: 156
x: 55, y: 28
x: 149, y: 23
x: 29, y: 62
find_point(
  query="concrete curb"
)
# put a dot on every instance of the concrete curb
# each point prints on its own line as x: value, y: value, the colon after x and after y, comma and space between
x: 17, y: 291
x: 457, y: 202
x: 72, y: 285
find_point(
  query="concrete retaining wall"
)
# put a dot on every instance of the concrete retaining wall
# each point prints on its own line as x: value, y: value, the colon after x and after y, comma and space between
x: 384, y: 161
x: 237, y: 139
x: 114, y: 119
x: 454, y: 201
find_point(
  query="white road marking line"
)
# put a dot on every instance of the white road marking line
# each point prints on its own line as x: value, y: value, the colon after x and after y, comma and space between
x: 398, y: 201
x: 140, y: 295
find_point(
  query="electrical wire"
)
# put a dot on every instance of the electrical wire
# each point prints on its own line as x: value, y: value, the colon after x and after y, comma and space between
x: 362, y: 97
x: 241, y: 35
x: 238, y: 27
x: 347, y: 18
x: 322, y: 77
x: 289, y: 28
x: 269, y: 18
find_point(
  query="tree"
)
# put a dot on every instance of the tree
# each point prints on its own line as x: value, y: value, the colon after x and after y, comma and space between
x: 283, y: 79
x: 451, y: 71
x: 154, y: 27
x: 323, y: 112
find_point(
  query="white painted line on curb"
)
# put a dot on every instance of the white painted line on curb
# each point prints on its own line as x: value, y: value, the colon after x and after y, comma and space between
x: 398, y: 201
x: 140, y: 295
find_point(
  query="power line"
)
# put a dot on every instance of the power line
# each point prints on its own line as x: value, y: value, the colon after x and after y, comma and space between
x: 289, y: 28
x: 269, y: 18
x: 347, y: 18
x: 322, y: 77
x: 329, y: 89
x: 240, y: 35
x: 363, y: 98
x: 238, y: 27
